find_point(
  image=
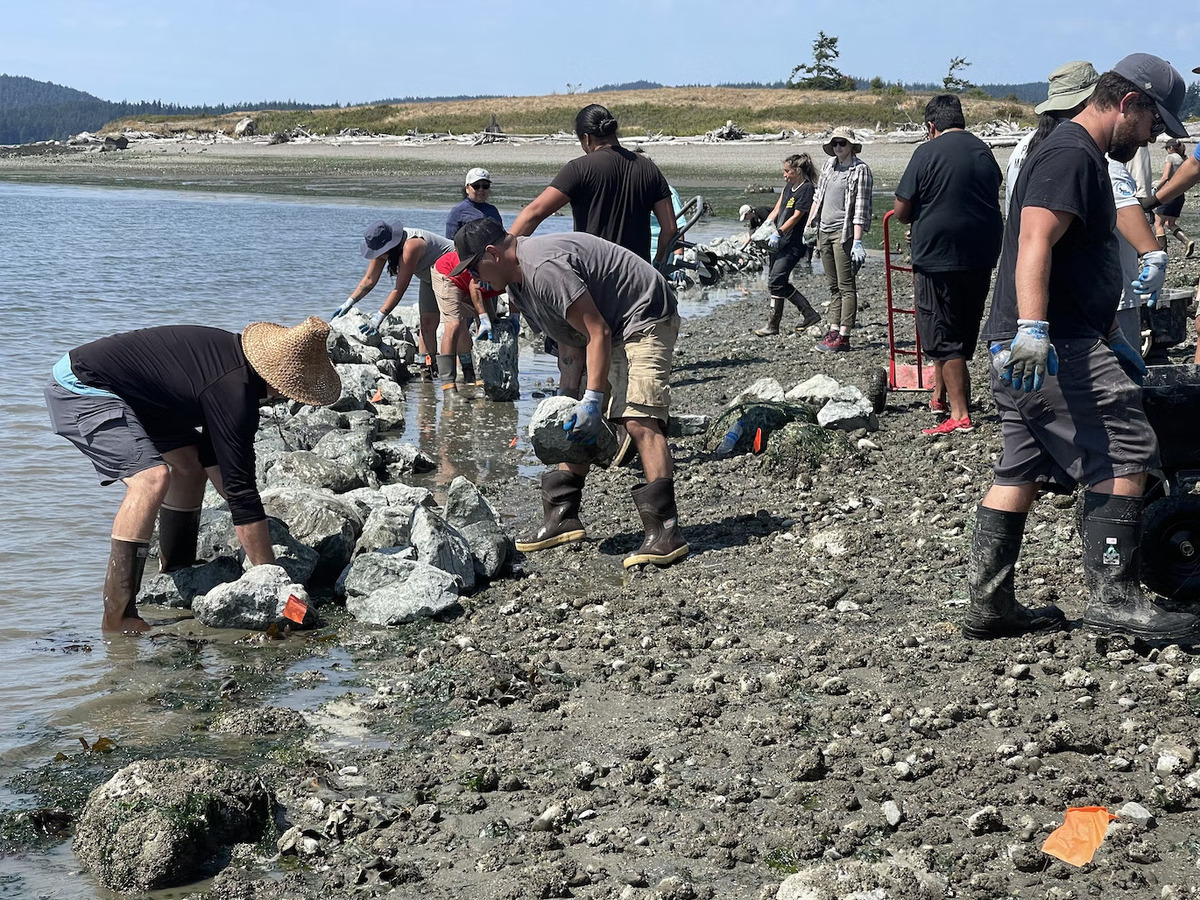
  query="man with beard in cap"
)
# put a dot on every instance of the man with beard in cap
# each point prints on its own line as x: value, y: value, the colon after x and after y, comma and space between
x: 1066, y: 383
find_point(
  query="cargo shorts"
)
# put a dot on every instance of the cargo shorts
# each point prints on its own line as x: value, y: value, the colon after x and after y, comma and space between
x: 639, y: 375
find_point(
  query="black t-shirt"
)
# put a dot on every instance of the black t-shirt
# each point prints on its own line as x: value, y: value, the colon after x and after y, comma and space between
x: 180, y: 377
x: 953, y: 183
x: 612, y: 192
x: 794, y: 198
x: 757, y: 216
x: 1066, y: 173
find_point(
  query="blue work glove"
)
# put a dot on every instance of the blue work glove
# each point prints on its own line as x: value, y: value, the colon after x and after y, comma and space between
x: 809, y: 236
x: 858, y: 254
x: 484, y: 332
x: 515, y: 321
x: 584, y: 425
x: 1150, y: 281
x: 1031, y: 356
x: 773, y: 242
x: 343, y: 309
x: 1127, y: 356
x: 372, y: 329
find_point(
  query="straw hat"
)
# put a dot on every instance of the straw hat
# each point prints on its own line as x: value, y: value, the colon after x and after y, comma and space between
x: 846, y: 135
x: 294, y: 361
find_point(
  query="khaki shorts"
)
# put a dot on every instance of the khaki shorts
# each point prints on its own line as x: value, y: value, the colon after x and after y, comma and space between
x: 639, y: 376
x: 452, y: 303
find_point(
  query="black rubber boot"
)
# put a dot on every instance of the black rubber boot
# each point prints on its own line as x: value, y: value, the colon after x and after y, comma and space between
x: 808, y: 316
x: 1111, y: 529
x: 562, y: 492
x: 468, y: 368
x: 178, y: 534
x: 663, y: 544
x: 994, y: 611
x: 122, y: 581
x: 772, y: 326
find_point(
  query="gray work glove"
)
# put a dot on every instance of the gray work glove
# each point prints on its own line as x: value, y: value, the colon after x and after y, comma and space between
x: 1031, y: 356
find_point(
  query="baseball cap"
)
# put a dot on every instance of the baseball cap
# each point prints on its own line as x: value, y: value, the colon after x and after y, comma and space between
x: 1070, y: 84
x: 478, y: 174
x: 744, y: 212
x: 472, y: 239
x: 1157, y: 79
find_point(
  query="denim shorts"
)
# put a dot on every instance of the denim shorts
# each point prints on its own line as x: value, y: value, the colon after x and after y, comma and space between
x: 1085, y: 425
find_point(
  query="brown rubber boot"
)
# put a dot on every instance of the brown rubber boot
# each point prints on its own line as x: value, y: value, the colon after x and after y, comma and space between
x: 808, y: 316
x: 994, y: 611
x: 122, y: 581
x: 562, y: 492
x: 1111, y: 530
x: 772, y: 326
x: 178, y: 534
x: 663, y: 544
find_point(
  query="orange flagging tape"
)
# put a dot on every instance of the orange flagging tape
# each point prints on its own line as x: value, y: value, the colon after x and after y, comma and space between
x: 1083, y: 829
x: 378, y: 396
x: 295, y: 609
x: 758, y: 440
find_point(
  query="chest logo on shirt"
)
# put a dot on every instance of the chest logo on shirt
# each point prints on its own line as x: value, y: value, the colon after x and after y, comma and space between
x: 791, y: 202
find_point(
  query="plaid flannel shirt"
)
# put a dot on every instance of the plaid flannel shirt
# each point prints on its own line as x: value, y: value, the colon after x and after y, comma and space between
x: 859, y: 186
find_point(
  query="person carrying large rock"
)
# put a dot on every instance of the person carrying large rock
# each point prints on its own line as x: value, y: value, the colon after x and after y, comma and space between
x: 165, y: 409
x: 614, y: 315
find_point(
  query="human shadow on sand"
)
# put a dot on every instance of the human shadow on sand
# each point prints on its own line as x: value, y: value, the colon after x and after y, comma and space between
x: 732, y: 531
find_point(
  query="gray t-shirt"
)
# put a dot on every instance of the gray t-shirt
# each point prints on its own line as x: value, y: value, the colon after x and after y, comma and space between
x: 833, y: 207
x: 436, y: 246
x: 556, y: 269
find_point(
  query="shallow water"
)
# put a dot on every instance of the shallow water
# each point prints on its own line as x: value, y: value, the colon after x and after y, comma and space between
x: 80, y: 263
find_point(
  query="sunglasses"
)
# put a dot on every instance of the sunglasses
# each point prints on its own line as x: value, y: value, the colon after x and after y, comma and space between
x: 1159, y: 126
x: 482, y: 185
x: 838, y: 142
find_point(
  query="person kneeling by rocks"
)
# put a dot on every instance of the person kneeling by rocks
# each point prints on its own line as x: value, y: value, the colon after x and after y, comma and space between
x: 613, y: 313
x: 132, y: 403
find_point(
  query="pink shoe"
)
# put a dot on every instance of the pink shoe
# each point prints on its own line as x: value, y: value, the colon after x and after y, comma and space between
x: 938, y: 406
x: 826, y: 343
x: 950, y: 425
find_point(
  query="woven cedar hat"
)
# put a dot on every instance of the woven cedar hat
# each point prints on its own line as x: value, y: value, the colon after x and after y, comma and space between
x: 294, y: 361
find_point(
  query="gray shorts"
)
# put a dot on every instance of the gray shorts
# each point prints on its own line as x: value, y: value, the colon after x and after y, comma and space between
x: 108, y: 432
x: 427, y: 304
x: 1086, y: 425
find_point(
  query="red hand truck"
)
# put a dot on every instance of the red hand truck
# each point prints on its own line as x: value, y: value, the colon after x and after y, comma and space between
x: 902, y: 376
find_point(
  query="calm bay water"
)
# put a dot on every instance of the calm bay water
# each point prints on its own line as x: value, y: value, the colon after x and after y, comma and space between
x: 80, y: 263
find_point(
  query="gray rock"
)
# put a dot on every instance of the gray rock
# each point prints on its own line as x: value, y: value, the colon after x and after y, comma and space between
x: 468, y: 511
x: 985, y: 820
x: 389, y: 418
x: 551, y: 443
x: 320, y: 520
x: 402, y: 458
x: 344, y: 332
x: 351, y: 449
x: 365, y: 499
x: 386, y: 526
x: 358, y: 386
x: 298, y: 560
x: 817, y: 389
x: 217, y: 537
x: 768, y: 389
x: 687, y: 425
x: 384, y: 588
x: 442, y: 546
x: 162, y: 823
x: 1136, y: 813
x: 255, y: 601
x: 892, y: 813
x: 400, y: 494
x: 304, y: 467
x: 177, y: 590
x: 848, y: 410
x: 496, y: 364
x: 311, y: 423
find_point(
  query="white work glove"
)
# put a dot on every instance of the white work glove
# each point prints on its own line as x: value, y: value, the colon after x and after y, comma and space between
x: 858, y: 254
x: 372, y: 329
x: 484, y: 331
x: 1154, y: 272
x: 343, y: 309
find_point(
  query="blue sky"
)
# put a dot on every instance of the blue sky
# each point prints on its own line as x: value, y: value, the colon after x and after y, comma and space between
x: 222, y: 51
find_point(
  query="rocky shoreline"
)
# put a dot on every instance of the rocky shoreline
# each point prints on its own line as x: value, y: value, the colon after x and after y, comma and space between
x: 789, y: 712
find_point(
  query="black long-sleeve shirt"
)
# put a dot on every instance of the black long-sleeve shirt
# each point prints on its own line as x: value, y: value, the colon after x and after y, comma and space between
x: 181, y: 377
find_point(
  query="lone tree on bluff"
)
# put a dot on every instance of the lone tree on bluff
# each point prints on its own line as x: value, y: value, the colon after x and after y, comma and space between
x: 821, y: 74
x: 954, y: 83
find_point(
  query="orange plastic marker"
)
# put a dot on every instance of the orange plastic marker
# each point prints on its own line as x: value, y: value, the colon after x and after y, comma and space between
x: 1076, y: 840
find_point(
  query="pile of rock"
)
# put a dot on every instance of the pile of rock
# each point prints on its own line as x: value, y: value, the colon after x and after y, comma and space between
x: 339, y: 511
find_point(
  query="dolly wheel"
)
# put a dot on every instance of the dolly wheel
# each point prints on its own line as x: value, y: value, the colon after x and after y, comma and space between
x: 1171, y: 547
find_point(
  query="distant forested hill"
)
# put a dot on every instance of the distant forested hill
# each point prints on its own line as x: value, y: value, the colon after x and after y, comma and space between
x: 40, y: 111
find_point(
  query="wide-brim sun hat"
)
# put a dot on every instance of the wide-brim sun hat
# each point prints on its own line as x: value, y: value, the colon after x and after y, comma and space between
x: 380, y: 237
x: 1070, y: 84
x: 294, y: 361
x: 845, y: 134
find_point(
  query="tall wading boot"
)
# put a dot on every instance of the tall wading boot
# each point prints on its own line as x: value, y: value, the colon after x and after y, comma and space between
x: 808, y: 316
x: 994, y: 611
x: 772, y: 326
x: 446, y: 374
x: 122, y: 581
x: 562, y: 492
x: 1111, y: 529
x: 178, y: 535
x: 662, y: 544
x: 468, y: 369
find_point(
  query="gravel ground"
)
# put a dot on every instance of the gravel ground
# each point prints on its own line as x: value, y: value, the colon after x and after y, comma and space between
x: 794, y: 697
